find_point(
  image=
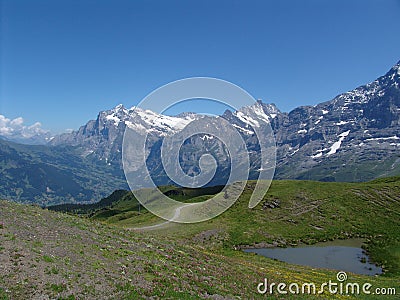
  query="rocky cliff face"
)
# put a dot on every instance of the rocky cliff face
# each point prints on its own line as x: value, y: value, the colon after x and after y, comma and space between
x: 353, y: 137
x: 344, y: 135
x: 102, y: 138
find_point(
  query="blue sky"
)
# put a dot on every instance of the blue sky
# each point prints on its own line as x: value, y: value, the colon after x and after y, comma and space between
x: 61, y: 62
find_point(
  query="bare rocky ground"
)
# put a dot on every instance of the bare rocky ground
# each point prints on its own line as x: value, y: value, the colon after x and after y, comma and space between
x: 48, y: 255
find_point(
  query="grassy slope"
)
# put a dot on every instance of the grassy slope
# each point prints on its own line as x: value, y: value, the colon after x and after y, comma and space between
x: 76, y: 256
x: 123, y: 204
x: 308, y: 212
x: 49, y: 254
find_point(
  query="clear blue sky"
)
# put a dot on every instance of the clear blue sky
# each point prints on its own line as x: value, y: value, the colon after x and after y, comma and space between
x: 62, y: 61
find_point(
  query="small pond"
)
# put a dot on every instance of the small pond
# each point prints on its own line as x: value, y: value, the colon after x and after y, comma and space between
x: 343, y: 255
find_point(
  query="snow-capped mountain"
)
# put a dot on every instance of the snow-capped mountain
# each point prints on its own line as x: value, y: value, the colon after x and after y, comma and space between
x: 330, y: 141
x: 353, y: 137
x: 102, y: 137
x: 336, y: 139
x: 146, y: 121
x: 248, y: 117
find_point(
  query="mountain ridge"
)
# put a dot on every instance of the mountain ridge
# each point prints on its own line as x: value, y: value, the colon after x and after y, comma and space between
x: 366, y: 116
x: 353, y: 137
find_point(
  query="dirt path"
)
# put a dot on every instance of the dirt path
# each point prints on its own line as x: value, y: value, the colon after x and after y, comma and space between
x: 155, y: 226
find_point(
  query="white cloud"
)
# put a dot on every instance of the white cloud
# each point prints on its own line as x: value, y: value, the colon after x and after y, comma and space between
x: 16, y: 129
x: 17, y: 121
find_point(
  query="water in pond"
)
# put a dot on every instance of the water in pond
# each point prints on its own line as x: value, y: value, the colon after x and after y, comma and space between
x: 337, y: 255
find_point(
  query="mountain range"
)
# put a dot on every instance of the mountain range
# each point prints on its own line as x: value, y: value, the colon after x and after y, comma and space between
x: 353, y: 137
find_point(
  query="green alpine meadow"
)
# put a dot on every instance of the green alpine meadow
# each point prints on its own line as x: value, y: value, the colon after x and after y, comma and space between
x: 113, y: 250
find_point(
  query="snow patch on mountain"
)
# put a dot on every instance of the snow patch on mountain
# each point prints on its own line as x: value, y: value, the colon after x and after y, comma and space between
x: 243, y: 129
x: 113, y: 118
x: 135, y: 126
x: 256, y: 114
x: 246, y: 119
x: 207, y: 137
x: 342, y: 123
x: 319, y: 154
x: 383, y: 138
x: 336, y: 145
x: 261, y: 114
x: 163, y: 122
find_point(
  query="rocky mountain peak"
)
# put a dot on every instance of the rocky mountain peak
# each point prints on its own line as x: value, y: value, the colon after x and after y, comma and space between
x: 360, y: 124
